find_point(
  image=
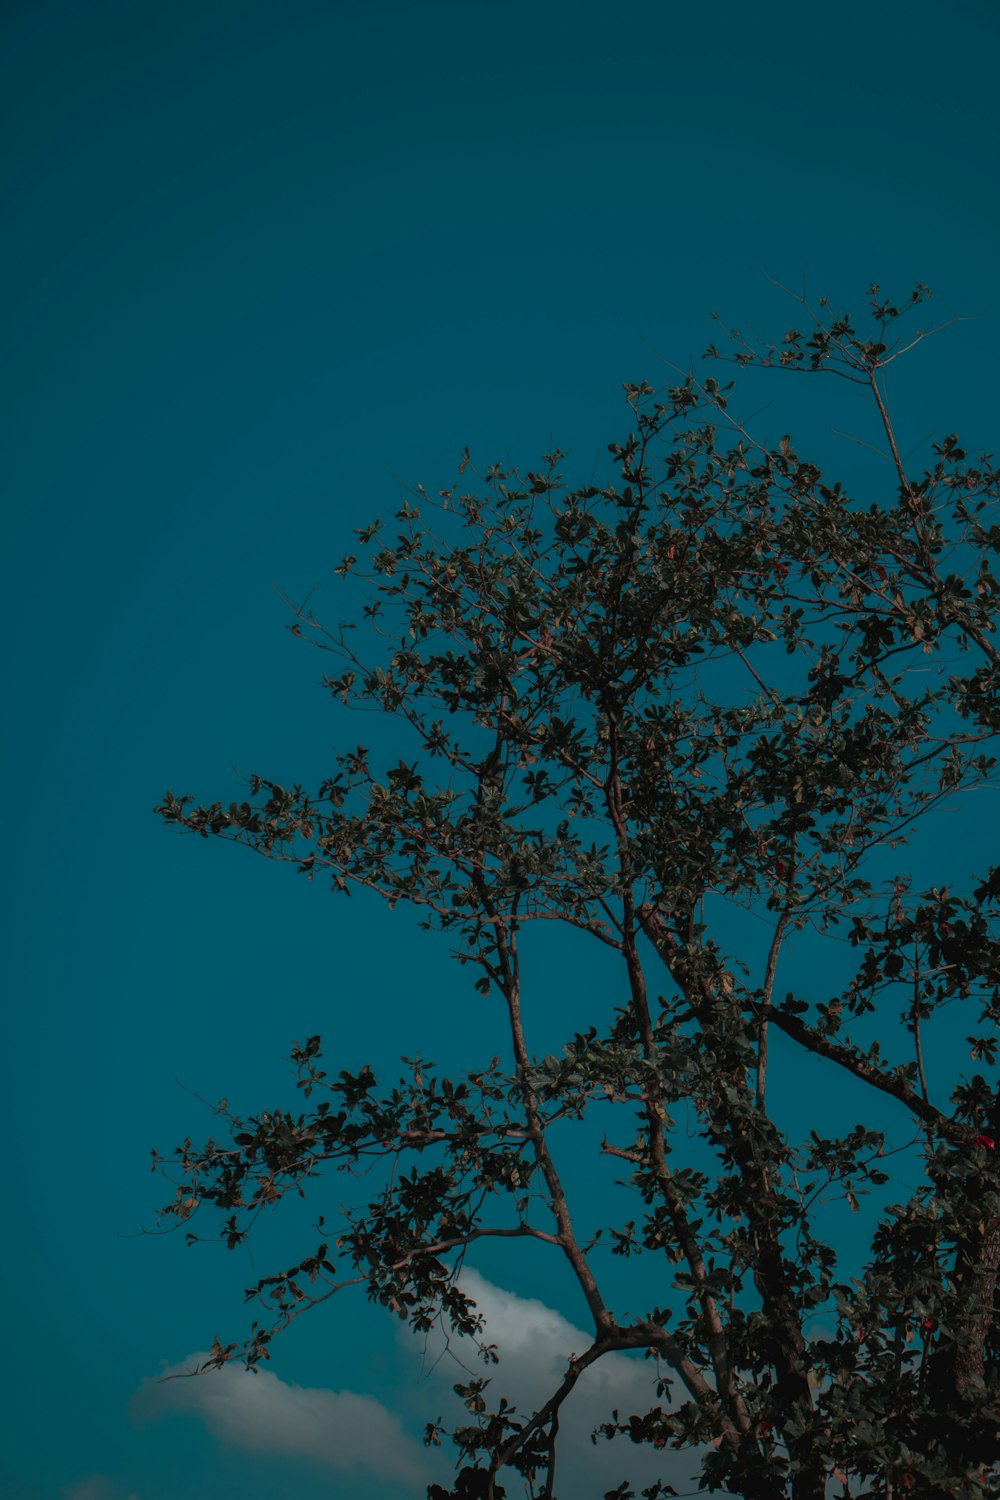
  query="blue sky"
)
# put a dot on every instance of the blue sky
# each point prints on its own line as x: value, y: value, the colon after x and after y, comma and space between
x: 261, y: 266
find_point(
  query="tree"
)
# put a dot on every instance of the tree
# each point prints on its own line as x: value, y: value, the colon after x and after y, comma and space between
x: 714, y: 684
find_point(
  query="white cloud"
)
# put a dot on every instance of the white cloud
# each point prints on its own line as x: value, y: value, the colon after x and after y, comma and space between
x: 260, y: 1413
x: 97, y: 1487
x: 535, y: 1344
x: 345, y: 1430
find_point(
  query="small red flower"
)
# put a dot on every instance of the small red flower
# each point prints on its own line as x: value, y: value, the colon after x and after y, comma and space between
x: 928, y: 1325
x: 985, y: 1143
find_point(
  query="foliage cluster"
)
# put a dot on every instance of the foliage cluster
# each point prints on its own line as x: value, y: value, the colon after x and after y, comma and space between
x: 717, y: 681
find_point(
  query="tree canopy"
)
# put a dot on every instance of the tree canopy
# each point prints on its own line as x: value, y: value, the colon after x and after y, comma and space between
x: 713, y: 686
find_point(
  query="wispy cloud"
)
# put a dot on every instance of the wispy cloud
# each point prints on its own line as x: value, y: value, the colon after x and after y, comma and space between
x: 260, y: 1413
x: 97, y: 1487
x: 344, y: 1430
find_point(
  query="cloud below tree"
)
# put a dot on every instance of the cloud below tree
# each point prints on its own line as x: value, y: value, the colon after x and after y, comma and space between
x: 345, y: 1430
x: 260, y: 1413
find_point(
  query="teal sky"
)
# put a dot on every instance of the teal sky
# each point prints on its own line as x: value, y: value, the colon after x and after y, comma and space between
x: 261, y: 266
